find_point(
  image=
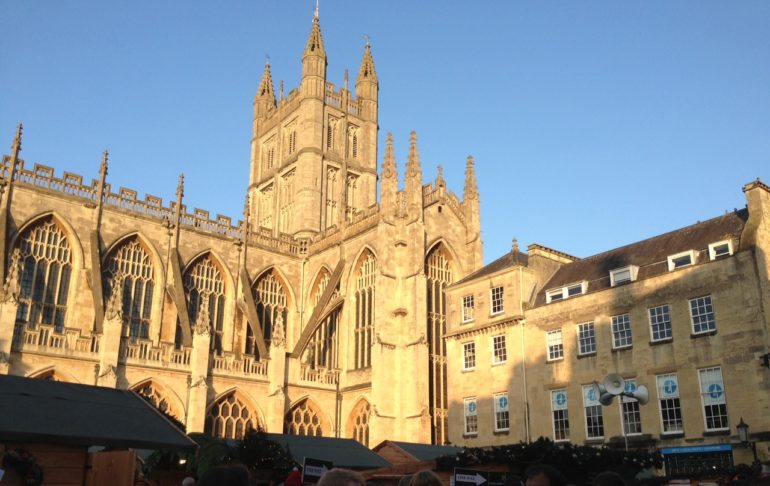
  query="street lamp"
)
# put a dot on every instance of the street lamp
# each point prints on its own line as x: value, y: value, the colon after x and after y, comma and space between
x: 743, y: 434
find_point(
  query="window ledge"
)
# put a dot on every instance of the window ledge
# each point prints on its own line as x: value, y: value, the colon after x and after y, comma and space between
x: 703, y: 334
x: 594, y: 441
x: 622, y: 348
x: 471, y: 435
x: 587, y: 355
x: 499, y: 363
x: 469, y: 370
x: 713, y: 433
x: 495, y: 314
x: 469, y: 321
x: 662, y: 341
x: 502, y: 432
x: 671, y: 435
x: 555, y: 360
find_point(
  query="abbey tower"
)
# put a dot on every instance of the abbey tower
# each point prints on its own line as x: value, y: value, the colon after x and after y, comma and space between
x: 321, y: 312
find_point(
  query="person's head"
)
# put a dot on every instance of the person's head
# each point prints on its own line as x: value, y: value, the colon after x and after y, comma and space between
x: 544, y: 475
x: 405, y: 480
x: 188, y: 481
x: 341, y: 477
x: 235, y: 475
x: 608, y: 478
x: 425, y: 477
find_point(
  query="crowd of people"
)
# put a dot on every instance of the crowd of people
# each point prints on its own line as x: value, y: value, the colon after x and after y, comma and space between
x: 239, y: 475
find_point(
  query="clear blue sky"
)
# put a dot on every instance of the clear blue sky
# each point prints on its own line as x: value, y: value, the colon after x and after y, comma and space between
x: 593, y: 124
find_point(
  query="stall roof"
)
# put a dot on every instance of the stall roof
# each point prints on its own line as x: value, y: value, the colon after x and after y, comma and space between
x: 421, y: 452
x: 345, y: 453
x: 36, y: 410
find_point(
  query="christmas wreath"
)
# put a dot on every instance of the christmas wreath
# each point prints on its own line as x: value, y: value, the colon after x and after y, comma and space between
x: 25, y: 464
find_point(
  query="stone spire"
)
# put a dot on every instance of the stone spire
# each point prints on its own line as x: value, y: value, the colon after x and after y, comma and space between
x: 367, y: 72
x: 471, y: 190
x: 413, y: 183
x: 413, y: 168
x: 315, y: 42
x: 389, y: 169
x: 440, y: 182
x: 264, y: 101
x: 16, y: 147
x: 314, y: 63
x: 178, y: 208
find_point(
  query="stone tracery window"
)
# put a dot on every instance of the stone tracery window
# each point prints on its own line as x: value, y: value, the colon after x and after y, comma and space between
x: 152, y: 394
x: 272, y: 304
x: 44, y: 275
x: 286, y: 202
x: 303, y: 419
x: 204, y: 281
x: 266, y: 207
x: 129, y: 265
x: 351, y: 193
x: 322, y: 349
x: 364, y: 305
x: 438, y: 272
x: 359, y: 422
x: 230, y: 418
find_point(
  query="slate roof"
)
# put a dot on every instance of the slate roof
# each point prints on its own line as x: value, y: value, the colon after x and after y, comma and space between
x: 346, y: 453
x: 651, y: 255
x: 505, y: 261
x: 36, y: 410
x: 427, y: 452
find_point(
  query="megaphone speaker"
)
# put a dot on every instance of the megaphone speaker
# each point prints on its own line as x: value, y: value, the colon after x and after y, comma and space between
x: 641, y: 393
x: 606, y: 398
x: 614, y: 384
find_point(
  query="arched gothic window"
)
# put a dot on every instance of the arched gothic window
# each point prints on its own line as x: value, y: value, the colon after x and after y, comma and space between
x: 204, y: 281
x: 364, y: 304
x: 303, y: 419
x: 129, y: 266
x: 438, y: 272
x: 358, y: 423
x: 150, y: 392
x: 230, y: 418
x: 322, y: 349
x: 45, y: 267
x: 272, y: 303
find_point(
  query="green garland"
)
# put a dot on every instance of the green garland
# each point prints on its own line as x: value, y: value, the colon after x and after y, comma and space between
x: 24, y: 463
x: 578, y: 463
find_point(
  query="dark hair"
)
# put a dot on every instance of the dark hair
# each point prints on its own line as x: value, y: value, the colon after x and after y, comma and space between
x: 426, y: 477
x: 608, y: 478
x: 555, y: 478
x: 341, y: 477
x: 235, y: 475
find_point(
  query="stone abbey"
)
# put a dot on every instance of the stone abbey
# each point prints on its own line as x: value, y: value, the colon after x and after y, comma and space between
x: 308, y: 317
x: 327, y: 312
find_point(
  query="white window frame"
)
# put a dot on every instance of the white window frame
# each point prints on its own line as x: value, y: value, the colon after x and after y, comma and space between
x: 692, y: 317
x: 713, y: 246
x: 468, y: 316
x: 616, y: 332
x: 492, y: 311
x: 563, y: 293
x: 587, y: 403
x: 632, y: 270
x: 626, y: 401
x: 502, y: 413
x: 495, y: 360
x: 469, y: 356
x: 562, y: 417
x: 468, y: 413
x: 669, y: 395
x: 579, y: 330
x: 650, y: 317
x: 672, y: 266
x: 721, y: 397
x: 558, y: 347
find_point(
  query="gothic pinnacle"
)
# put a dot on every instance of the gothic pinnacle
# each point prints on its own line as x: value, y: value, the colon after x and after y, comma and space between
x: 471, y: 189
x: 389, y: 161
x: 413, y: 162
x: 315, y: 43
x: 367, y: 72
x: 180, y: 187
x: 16, y: 147
x: 103, y: 167
x: 265, y: 89
x: 440, y: 182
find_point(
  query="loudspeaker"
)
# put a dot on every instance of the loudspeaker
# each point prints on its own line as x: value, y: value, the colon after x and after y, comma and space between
x: 614, y: 384
x: 606, y: 398
x: 641, y: 393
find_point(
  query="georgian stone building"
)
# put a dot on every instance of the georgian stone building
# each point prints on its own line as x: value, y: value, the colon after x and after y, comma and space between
x: 304, y: 317
x: 684, y: 313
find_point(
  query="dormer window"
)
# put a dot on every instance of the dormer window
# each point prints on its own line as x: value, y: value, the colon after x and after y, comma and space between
x: 565, y: 292
x: 623, y: 275
x: 679, y: 260
x: 720, y: 249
